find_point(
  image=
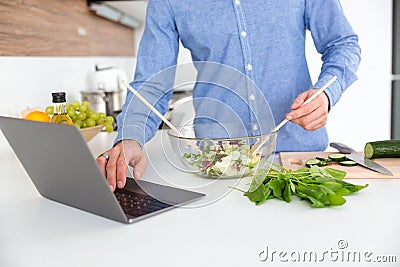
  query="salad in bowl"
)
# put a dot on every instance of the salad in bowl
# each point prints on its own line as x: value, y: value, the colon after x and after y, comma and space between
x: 221, y: 151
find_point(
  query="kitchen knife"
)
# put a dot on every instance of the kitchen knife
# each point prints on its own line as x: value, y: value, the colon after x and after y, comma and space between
x: 360, y: 159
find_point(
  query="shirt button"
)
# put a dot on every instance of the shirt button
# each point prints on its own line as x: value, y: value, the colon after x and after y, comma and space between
x: 249, y: 66
x: 244, y: 33
x: 255, y: 127
x: 252, y: 97
x: 237, y: 2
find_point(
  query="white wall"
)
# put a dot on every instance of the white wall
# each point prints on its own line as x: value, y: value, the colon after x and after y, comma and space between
x: 362, y: 115
x: 27, y: 82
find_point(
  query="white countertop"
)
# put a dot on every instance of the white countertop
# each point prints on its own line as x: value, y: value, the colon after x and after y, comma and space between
x: 216, y: 231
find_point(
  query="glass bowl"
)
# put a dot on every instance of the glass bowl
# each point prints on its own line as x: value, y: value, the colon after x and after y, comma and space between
x: 215, y: 150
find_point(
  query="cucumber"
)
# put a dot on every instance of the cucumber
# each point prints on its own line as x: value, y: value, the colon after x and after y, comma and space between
x: 317, y: 162
x: 348, y: 163
x: 323, y: 163
x: 324, y: 159
x: 382, y: 149
x: 337, y: 157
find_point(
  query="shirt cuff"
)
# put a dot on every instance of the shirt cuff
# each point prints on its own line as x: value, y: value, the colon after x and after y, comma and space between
x: 334, y: 91
x: 131, y: 132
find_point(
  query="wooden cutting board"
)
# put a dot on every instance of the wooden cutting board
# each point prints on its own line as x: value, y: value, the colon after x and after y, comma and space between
x: 296, y: 160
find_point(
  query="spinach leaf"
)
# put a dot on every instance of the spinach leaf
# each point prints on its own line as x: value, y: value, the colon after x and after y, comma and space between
x: 337, y: 174
x: 315, y: 202
x: 258, y: 195
x: 286, y: 192
x: 311, y: 190
x: 332, y: 185
x: 277, y: 185
x: 336, y: 200
x: 343, y: 191
x: 323, y: 187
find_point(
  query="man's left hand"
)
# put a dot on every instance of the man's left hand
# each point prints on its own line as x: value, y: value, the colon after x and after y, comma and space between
x: 311, y: 116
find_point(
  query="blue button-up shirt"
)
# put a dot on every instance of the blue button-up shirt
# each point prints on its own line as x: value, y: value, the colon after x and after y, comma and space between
x: 261, y: 40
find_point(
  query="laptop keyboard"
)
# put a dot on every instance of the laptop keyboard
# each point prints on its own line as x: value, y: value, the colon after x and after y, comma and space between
x: 136, y: 205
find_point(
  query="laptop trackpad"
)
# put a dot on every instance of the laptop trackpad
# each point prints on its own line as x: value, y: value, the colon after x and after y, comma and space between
x: 163, y: 193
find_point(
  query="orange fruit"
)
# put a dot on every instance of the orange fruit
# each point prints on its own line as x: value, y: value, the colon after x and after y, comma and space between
x: 37, y: 116
x: 29, y: 110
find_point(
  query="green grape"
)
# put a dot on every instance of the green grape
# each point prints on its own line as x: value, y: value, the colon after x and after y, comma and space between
x: 102, y: 115
x: 86, y: 104
x: 109, y: 127
x: 78, y: 125
x: 90, y: 122
x: 67, y: 106
x: 71, y: 113
x: 74, y: 117
x: 94, y: 115
x: 49, y: 110
x: 109, y: 119
x: 89, y: 112
x: 71, y: 109
x: 83, y: 108
x: 84, y: 124
x: 101, y: 121
x: 82, y: 115
x: 76, y: 104
x: 78, y: 122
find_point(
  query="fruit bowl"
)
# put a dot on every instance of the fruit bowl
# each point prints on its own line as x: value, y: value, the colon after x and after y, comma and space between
x: 90, y: 132
x: 215, y: 150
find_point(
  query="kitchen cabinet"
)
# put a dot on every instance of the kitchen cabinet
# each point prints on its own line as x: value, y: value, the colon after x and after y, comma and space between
x: 60, y: 28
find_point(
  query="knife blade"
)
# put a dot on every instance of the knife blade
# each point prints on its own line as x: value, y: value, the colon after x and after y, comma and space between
x: 361, y: 160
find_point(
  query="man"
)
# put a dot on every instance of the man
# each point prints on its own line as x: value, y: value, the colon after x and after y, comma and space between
x: 262, y: 39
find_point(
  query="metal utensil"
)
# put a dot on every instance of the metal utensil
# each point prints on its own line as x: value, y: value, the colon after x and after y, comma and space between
x: 360, y: 159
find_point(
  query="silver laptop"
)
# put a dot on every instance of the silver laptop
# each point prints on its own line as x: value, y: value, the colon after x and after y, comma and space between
x: 62, y: 168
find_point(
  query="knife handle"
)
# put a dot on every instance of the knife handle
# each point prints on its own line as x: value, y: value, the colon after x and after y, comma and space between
x: 342, y: 148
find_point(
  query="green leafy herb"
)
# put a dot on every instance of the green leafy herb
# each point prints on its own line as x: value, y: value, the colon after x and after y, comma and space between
x: 322, y: 187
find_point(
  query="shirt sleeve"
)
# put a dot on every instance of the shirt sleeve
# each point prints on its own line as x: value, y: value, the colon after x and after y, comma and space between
x: 154, y: 75
x: 335, y: 39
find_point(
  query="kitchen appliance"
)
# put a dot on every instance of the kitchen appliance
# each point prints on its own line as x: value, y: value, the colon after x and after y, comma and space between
x: 395, y: 122
x: 96, y: 100
x: 297, y: 160
x: 109, y: 102
x: 106, y: 94
x: 360, y: 159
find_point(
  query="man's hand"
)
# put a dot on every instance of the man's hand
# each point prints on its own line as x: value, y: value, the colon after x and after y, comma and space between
x: 311, y: 116
x: 123, y: 153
